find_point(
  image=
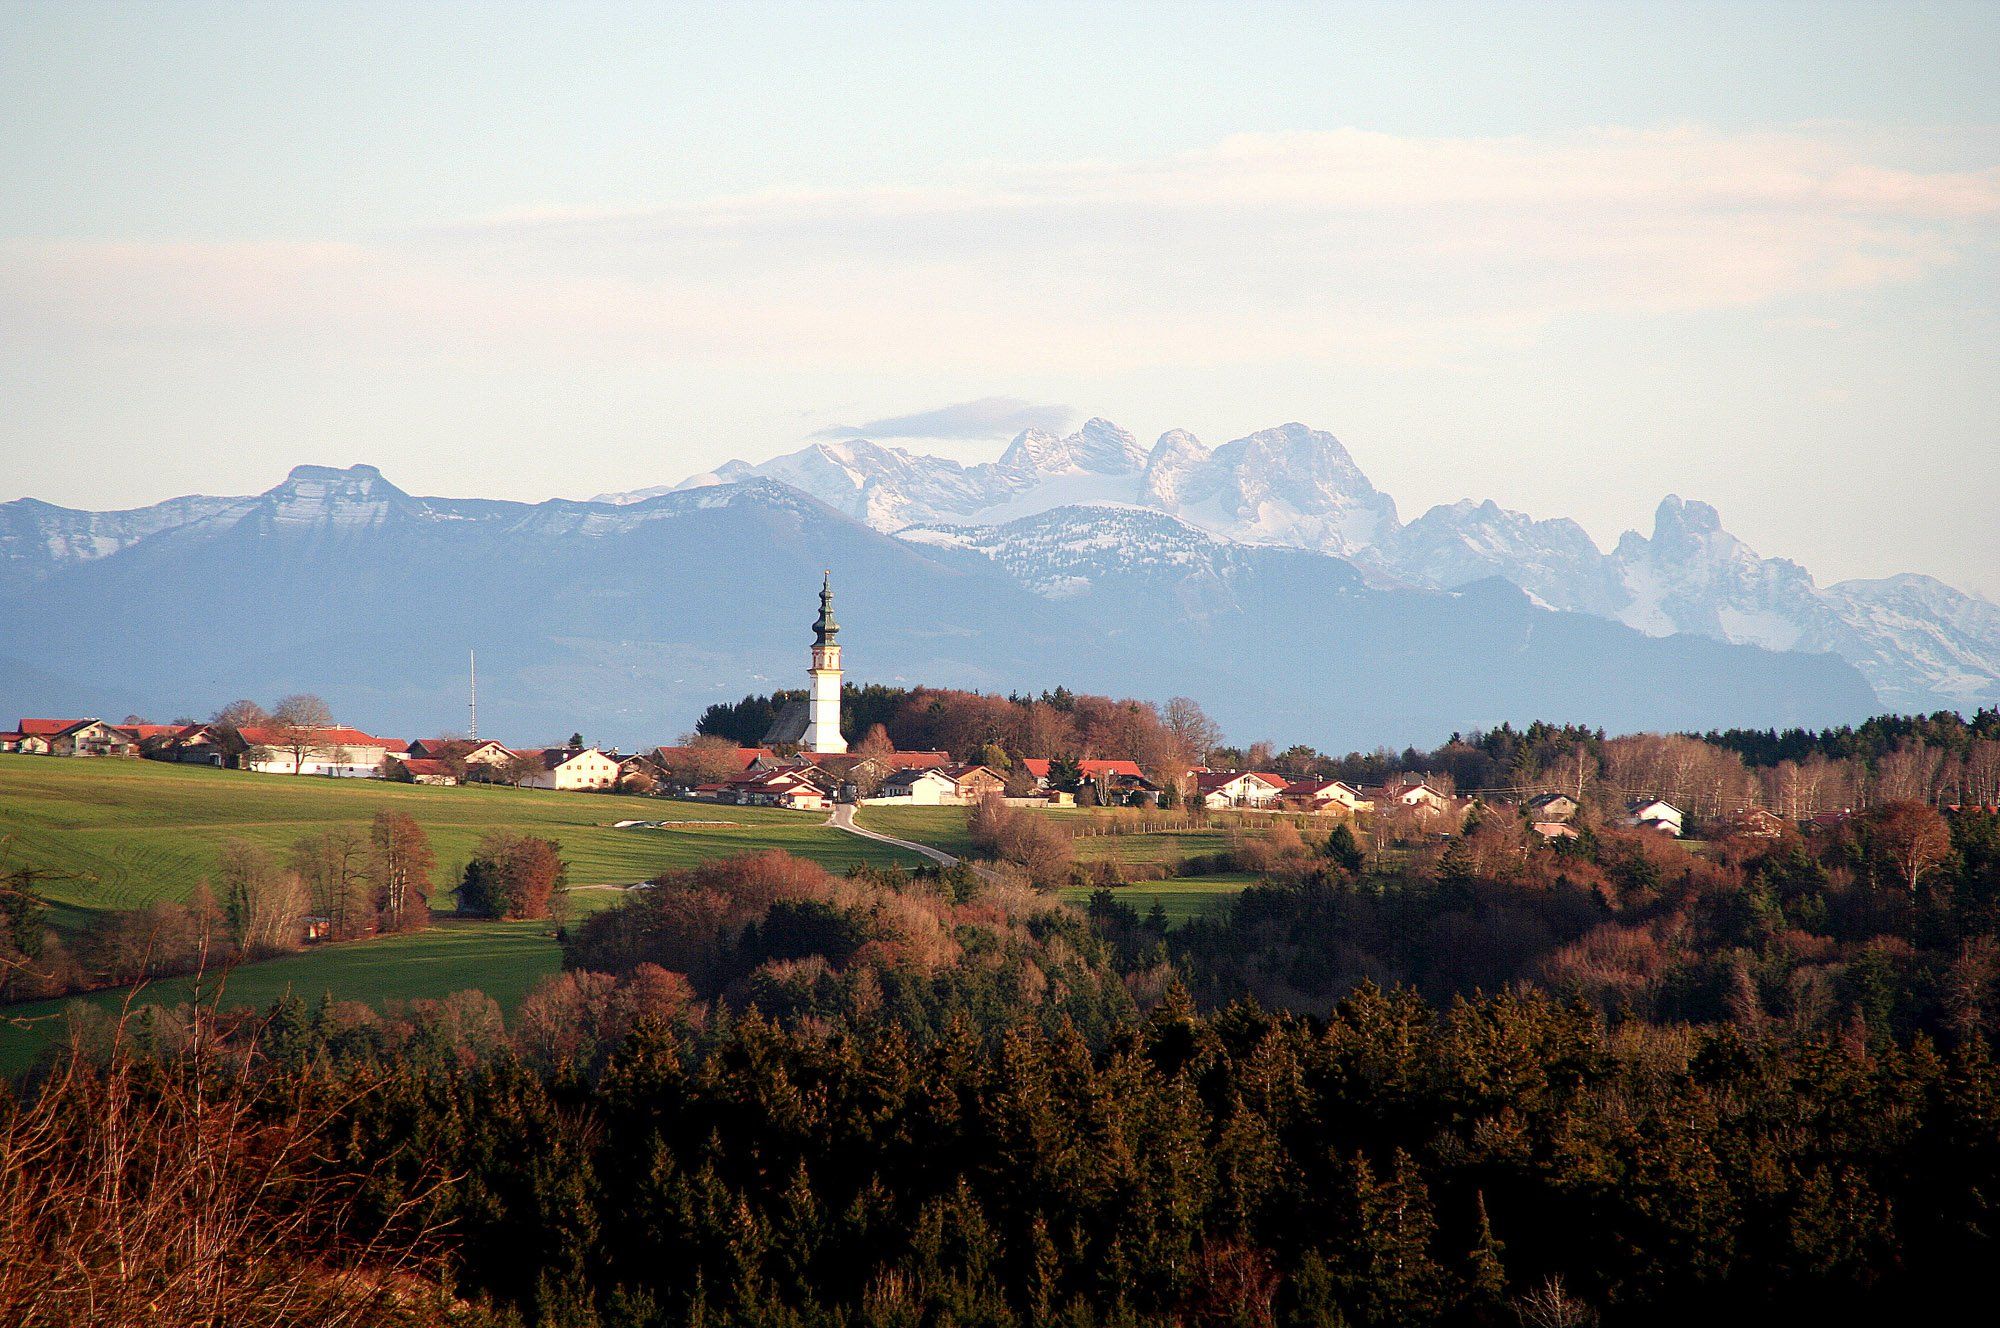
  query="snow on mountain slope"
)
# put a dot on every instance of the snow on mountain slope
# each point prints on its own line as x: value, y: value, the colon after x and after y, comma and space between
x: 36, y: 537
x: 1921, y: 644
x: 1556, y: 561
x: 1311, y: 632
x: 1064, y: 552
x: 1289, y: 485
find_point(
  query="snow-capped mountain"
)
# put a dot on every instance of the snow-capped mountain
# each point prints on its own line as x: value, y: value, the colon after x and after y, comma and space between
x: 1290, y: 485
x: 625, y: 620
x: 1556, y: 561
x: 1920, y: 643
x: 1311, y: 631
x: 36, y: 538
x: 889, y: 488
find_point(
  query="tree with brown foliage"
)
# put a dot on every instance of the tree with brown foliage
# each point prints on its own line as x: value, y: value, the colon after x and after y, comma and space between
x: 266, y: 905
x: 513, y: 876
x: 1912, y: 837
x: 295, y: 726
x: 399, y: 867
x: 333, y: 863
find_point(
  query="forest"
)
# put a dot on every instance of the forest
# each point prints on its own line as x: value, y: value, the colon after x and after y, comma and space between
x: 1486, y: 1079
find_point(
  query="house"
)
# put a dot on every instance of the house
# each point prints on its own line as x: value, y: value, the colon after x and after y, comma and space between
x: 1552, y: 807
x: 800, y: 788
x: 914, y: 760
x: 1756, y: 823
x: 428, y: 770
x: 1656, y: 814
x: 1414, y: 792
x: 1555, y: 830
x: 151, y: 737
x: 10, y: 742
x: 200, y: 744
x: 93, y: 737
x: 38, y: 735
x: 1325, y: 797
x: 923, y: 788
x: 974, y: 781
x: 570, y: 769
x: 1106, y: 773
x: 641, y: 768
x: 1220, y: 789
x: 75, y: 737
x: 329, y: 750
x: 483, y: 752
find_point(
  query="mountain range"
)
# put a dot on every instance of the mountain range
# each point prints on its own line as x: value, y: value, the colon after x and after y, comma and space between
x: 1921, y: 644
x: 624, y: 616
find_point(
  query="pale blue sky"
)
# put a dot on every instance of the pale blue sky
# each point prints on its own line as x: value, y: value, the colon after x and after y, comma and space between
x: 1569, y: 257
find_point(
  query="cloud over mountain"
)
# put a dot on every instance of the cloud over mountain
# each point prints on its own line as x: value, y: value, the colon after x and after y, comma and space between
x: 988, y: 417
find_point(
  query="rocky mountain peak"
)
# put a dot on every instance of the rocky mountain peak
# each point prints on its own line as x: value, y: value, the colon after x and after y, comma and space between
x: 1098, y: 448
x: 337, y: 495
x: 1177, y: 472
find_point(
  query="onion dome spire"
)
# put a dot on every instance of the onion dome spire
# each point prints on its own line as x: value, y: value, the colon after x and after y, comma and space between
x: 825, y: 628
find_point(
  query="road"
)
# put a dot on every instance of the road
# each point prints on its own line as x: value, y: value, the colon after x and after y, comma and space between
x: 843, y: 819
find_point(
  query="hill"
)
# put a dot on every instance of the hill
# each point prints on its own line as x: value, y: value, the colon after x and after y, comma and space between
x: 119, y: 834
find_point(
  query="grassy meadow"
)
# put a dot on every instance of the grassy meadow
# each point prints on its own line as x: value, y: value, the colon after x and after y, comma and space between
x: 115, y: 834
x: 502, y: 959
x: 944, y: 827
x: 1183, y: 897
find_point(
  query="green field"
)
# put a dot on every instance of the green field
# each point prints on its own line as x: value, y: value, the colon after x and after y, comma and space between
x: 119, y: 834
x: 502, y: 959
x: 940, y: 827
x: 1184, y: 898
x: 944, y: 827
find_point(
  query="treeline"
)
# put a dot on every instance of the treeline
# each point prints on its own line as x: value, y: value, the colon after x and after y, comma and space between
x: 1503, y: 1160
x: 1946, y: 731
x: 997, y: 730
x: 1882, y: 927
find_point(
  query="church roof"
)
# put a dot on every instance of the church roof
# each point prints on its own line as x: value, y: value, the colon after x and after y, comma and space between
x: 789, y: 728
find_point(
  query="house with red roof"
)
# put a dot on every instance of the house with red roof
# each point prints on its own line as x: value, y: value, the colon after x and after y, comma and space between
x: 329, y: 750
x: 1218, y: 790
x: 1325, y: 797
x: 800, y: 788
x: 75, y: 737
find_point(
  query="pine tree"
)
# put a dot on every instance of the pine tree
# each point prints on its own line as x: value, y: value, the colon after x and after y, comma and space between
x: 1485, y: 1276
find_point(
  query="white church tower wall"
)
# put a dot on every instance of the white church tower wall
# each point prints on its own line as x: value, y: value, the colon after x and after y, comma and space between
x: 823, y: 700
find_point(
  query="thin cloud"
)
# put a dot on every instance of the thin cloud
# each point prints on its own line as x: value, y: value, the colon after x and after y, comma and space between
x: 1347, y: 247
x: 988, y: 417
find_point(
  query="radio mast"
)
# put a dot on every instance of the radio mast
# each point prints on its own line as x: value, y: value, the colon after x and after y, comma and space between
x: 473, y: 657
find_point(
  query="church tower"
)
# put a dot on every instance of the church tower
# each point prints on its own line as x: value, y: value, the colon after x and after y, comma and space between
x: 823, y: 701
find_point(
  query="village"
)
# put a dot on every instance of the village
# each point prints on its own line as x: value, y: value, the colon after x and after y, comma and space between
x: 804, y: 763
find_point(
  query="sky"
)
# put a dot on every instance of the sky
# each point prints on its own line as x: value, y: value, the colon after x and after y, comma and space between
x: 1570, y: 258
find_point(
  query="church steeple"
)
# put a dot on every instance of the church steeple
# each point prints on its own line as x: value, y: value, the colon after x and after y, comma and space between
x: 824, y: 627
x: 823, y: 700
